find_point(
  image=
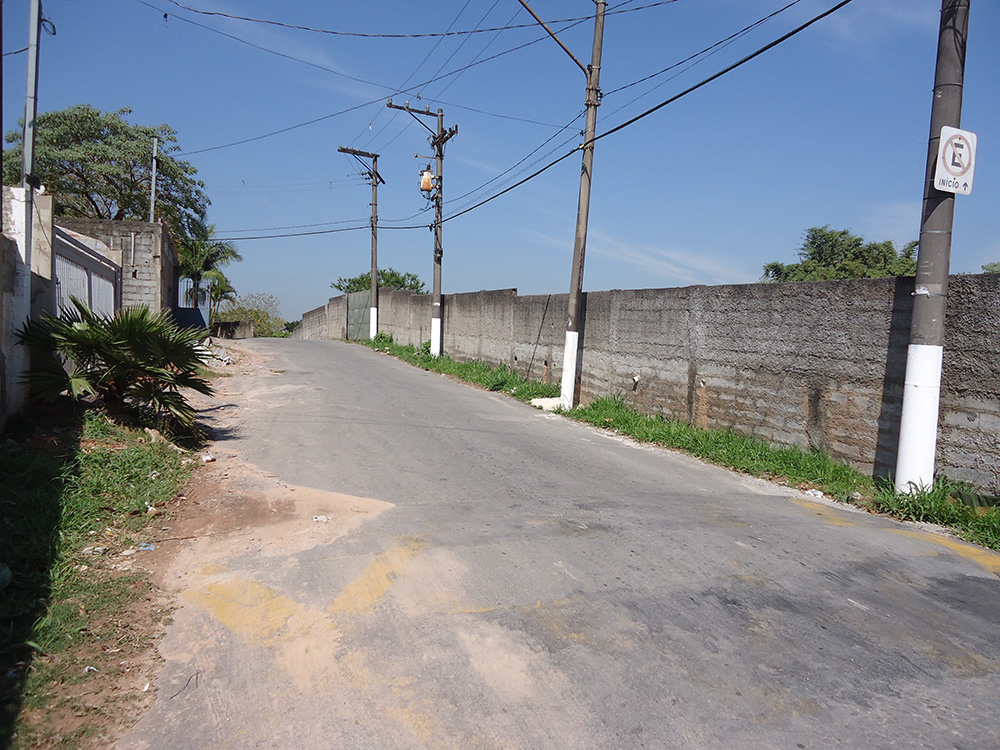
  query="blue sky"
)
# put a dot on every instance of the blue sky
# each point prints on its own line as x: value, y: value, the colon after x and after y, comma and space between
x: 830, y: 128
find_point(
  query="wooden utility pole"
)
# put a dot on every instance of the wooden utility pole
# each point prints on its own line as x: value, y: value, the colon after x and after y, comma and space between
x: 437, y: 140
x: 375, y: 178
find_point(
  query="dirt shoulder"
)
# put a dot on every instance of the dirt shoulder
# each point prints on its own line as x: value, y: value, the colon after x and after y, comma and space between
x: 102, y: 688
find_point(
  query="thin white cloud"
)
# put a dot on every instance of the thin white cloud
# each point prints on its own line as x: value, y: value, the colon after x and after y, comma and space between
x: 673, y: 267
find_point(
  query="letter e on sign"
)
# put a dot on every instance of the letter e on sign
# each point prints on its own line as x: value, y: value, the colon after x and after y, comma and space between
x: 956, y: 161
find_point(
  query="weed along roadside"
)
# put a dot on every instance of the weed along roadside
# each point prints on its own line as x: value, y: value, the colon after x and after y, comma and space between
x: 82, y: 496
x: 84, y: 480
x: 954, y: 505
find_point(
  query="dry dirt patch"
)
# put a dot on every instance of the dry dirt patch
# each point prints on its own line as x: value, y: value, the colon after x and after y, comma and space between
x: 228, y: 506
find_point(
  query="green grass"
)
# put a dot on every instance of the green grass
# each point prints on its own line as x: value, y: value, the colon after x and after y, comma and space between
x: 944, y: 504
x: 726, y: 448
x: 80, y: 485
x: 501, y: 378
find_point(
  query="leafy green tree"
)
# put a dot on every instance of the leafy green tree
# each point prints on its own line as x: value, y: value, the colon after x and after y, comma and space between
x: 203, y: 258
x: 134, y: 360
x: 991, y: 268
x: 97, y: 165
x: 837, y: 254
x: 388, y: 278
x: 260, y: 308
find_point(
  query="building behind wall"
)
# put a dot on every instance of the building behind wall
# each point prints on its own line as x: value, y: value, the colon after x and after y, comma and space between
x: 144, y: 252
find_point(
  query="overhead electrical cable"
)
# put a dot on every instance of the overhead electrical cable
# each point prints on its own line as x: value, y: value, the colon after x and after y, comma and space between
x: 363, y: 35
x: 742, y: 61
x: 720, y: 43
x: 417, y: 87
x: 402, y: 87
x: 728, y: 69
x: 510, y: 169
x: 661, y: 105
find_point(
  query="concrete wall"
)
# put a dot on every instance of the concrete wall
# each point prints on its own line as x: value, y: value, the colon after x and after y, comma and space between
x: 24, y: 291
x: 817, y: 364
x: 145, y: 253
x: 13, y: 311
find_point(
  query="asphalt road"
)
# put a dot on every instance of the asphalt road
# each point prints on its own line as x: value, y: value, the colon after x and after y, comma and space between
x: 511, y: 579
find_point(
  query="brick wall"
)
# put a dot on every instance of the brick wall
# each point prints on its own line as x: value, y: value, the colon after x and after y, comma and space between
x: 816, y: 364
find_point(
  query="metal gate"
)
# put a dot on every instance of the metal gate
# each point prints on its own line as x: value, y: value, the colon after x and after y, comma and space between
x: 359, y: 315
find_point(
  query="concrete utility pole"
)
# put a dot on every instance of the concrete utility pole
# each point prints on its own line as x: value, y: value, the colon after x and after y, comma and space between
x: 922, y: 386
x: 28, y: 180
x: 373, y: 175
x: 152, y: 184
x: 567, y: 397
x: 437, y: 140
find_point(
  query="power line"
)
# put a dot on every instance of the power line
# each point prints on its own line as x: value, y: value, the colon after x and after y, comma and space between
x: 662, y: 104
x: 417, y: 87
x: 725, y: 70
x: 401, y: 88
x: 270, y: 22
x: 615, y: 129
x: 720, y: 43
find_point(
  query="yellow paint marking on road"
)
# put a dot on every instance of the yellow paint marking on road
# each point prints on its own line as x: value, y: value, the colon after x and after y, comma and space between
x: 248, y: 609
x: 364, y: 592
x: 830, y: 516
x: 212, y: 570
x: 989, y: 561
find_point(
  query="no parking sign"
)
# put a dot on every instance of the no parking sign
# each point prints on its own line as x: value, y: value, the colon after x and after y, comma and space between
x: 956, y: 161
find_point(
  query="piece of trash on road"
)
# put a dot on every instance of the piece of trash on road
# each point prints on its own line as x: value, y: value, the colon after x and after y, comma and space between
x: 322, y: 519
x: 146, y: 547
x: 815, y: 493
x: 89, y: 669
x: 207, y: 458
x: 127, y: 552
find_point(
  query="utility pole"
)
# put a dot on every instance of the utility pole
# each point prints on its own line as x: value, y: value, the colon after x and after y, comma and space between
x: 28, y: 180
x: 437, y: 140
x: 571, y: 351
x: 152, y: 185
x: 925, y: 354
x: 373, y: 175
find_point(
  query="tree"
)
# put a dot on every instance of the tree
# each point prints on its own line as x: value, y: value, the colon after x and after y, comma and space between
x: 388, y: 278
x: 222, y: 291
x: 837, y: 254
x: 97, y: 165
x: 991, y: 268
x: 134, y: 360
x: 262, y: 309
x: 202, y: 259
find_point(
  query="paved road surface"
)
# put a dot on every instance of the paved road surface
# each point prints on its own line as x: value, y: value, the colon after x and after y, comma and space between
x: 451, y: 569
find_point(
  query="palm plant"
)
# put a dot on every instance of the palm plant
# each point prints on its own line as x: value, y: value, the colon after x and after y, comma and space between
x: 200, y: 258
x: 133, y: 360
x: 221, y: 291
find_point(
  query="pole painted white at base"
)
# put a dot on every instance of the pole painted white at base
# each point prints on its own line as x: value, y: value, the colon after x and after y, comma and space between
x: 373, y: 323
x: 919, y: 420
x: 435, y: 337
x: 569, y: 370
